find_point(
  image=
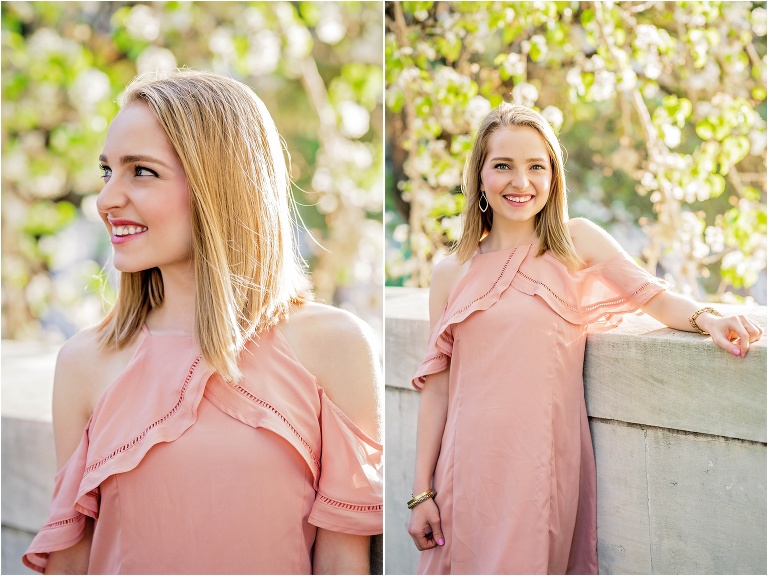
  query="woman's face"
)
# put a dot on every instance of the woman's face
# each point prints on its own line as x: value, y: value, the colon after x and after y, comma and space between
x: 516, y: 175
x: 145, y: 200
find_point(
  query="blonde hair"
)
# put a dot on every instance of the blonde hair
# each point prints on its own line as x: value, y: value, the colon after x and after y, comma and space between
x: 247, y: 270
x: 551, y: 222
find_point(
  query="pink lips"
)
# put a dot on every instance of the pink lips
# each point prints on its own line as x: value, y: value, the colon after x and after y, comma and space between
x: 115, y: 239
x: 511, y: 203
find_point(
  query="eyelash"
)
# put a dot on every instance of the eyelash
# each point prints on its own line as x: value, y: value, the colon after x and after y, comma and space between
x: 106, y: 171
x: 498, y: 166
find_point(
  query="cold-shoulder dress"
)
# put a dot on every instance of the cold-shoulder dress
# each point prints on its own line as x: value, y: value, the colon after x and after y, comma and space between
x: 187, y: 474
x: 515, y: 477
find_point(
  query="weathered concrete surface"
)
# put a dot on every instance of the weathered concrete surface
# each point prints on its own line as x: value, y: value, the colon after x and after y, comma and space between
x: 662, y: 405
x: 28, y: 455
x: 707, y: 502
x: 644, y: 373
x: 623, y: 545
x: 400, y: 553
x: 14, y: 544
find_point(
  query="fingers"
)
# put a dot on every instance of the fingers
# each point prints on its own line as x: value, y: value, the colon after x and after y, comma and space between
x: 754, y: 331
x: 424, y: 526
x: 737, y: 328
x: 735, y: 333
x: 437, y: 533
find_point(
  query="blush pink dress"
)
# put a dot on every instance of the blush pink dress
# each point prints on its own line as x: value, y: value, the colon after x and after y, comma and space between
x: 186, y: 474
x: 515, y: 477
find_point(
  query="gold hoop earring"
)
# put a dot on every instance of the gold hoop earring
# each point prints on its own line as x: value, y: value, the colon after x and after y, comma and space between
x: 480, y: 203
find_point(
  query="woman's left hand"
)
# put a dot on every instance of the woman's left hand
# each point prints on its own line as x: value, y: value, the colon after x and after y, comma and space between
x: 731, y: 333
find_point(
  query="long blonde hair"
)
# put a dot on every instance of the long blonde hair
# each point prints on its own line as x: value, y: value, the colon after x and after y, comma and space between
x: 551, y: 222
x: 247, y: 270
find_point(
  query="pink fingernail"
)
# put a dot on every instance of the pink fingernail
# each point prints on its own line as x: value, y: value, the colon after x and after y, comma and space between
x: 736, y: 351
x: 441, y: 542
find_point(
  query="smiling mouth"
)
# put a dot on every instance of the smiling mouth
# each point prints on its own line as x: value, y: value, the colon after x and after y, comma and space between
x: 128, y: 230
x: 517, y: 199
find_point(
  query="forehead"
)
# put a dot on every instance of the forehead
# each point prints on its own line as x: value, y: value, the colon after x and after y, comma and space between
x: 136, y: 128
x: 516, y: 141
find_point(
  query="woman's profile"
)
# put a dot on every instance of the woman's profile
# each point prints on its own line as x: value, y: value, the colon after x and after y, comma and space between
x: 505, y: 473
x: 217, y: 420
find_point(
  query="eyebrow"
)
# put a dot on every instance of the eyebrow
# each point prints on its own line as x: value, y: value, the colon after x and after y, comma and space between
x: 505, y: 159
x: 131, y: 158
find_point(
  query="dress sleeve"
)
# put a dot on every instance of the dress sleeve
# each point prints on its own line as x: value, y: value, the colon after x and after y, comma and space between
x: 350, y: 491
x: 66, y: 520
x: 597, y: 295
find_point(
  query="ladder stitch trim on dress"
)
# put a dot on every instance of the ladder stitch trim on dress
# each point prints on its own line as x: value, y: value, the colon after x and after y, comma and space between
x: 593, y: 306
x: 355, y: 507
x: 141, y: 436
x: 267, y: 405
x: 61, y: 523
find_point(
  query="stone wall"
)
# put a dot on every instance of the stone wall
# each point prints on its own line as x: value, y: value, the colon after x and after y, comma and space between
x: 679, y: 430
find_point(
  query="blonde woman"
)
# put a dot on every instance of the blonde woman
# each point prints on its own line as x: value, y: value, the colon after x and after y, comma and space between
x: 217, y: 421
x: 505, y: 473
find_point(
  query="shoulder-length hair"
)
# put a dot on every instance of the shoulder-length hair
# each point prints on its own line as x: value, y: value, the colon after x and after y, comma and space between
x: 551, y: 222
x: 247, y: 269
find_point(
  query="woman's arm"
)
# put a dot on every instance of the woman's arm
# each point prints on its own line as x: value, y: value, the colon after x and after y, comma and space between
x: 337, y: 553
x: 71, y: 411
x: 424, y: 526
x: 337, y: 348
x: 732, y: 333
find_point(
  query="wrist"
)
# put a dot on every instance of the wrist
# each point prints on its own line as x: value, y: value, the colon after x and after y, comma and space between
x: 702, y: 319
x: 705, y: 320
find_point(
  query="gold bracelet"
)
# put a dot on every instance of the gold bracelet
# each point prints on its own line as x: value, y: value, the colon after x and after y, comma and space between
x: 692, y: 319
x: 416, y: 500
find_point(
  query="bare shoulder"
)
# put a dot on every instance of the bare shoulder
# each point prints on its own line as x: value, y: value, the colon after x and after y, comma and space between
x: 338, y: 348
x: 78, y: 367
x: 84, y: 369
x: 593, y: 244
x: 445, y: 275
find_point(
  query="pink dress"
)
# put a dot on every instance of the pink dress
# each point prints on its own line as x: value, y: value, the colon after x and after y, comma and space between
x: 515, y: 478
x: 186, y: 474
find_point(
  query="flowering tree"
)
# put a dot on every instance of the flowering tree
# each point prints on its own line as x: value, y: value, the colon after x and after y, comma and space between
x: 661, y: 106
x: 316, y: 66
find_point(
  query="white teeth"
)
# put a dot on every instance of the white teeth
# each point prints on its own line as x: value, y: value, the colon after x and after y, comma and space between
x: 127, y: 230
x: 518, y: 199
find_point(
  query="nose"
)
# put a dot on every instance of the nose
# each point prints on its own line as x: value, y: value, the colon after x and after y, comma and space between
x: 111, y: 197
x: 519, y: 179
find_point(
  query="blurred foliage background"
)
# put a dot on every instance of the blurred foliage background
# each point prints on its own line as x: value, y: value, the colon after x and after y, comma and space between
x: 661, y: 107
x: 317, y: 67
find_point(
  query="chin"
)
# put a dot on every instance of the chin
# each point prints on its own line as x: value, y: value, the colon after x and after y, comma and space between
x: 130, y: 267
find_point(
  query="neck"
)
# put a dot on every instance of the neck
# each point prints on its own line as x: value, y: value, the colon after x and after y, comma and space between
x: 177, y: 313
x: 506, y: 237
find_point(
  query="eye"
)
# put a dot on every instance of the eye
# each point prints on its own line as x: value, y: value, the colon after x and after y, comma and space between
x: 538, y: 167
x: 501, y: 166
x: 142, y: 171
x: 106, y: 171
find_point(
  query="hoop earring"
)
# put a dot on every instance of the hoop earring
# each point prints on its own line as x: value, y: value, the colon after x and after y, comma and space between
x: 480, y: 203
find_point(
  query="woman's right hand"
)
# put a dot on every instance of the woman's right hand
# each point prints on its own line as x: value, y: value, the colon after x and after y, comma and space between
x: 424, y: 526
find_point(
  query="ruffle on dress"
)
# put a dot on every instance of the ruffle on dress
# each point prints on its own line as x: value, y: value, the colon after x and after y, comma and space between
x: 161, y: 388
x: 351, y: 489
x: 596, y: 296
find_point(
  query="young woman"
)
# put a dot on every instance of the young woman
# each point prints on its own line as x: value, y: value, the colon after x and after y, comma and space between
x: 217, y: 421
x: 505, y: 473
